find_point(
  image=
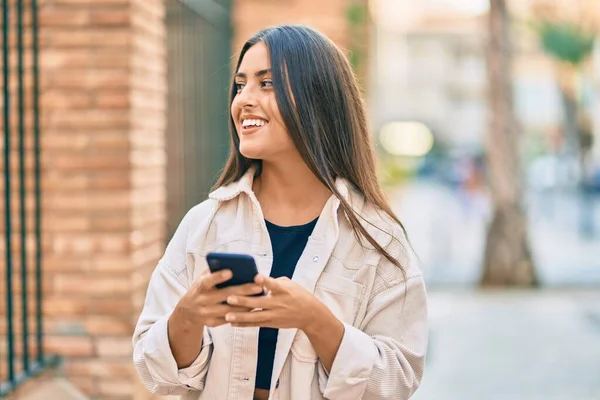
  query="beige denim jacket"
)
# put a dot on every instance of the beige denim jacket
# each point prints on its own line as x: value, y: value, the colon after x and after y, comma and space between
x: 382, y: 352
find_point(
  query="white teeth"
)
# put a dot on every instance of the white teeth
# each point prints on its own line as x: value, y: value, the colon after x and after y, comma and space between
x: 253, y: 122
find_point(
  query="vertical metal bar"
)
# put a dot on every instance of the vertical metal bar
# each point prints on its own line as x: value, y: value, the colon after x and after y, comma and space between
x: 37, y: 189
x: 183, y: 82
x: 7, y: 194
x: 23, y: 220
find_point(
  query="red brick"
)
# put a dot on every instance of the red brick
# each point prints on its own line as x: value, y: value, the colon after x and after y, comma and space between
x: 110, y: 18
x: 64, y: 99
x: 113, y: 38
x: 57, y: 181
x: 114, y: 346
x: 114, y: 139
x: 71, y: 223
x: 110, y: 180
x: 64, y: 326
x: 58, y: 140
x: 81, y: 162
x: 87, y: 79
x: 58, y: 305
x: 62, y: 17
x: 110, y: 223
x: 114, y: 99
x: 111, y: 58
x: 72, y: 243
x: 91, y: 284
x: 67, y: 202
x: 54, y: 263
x: 66, y: 58
x: 113, y: 306
x: 103, y: 325
x: 112, y: 263
x: 92, y: 3
x: 98, y: 119
x: 73, y: 346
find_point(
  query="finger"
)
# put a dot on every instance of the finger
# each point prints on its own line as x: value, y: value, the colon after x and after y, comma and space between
x: 218, y: 296
x: 247, y: 289
x: 220, y: 310
x: 256, y: 317
x: 250, y: 324
x: 263, y: 302
x: 273, y: 285
x: 214, y: 322
x: 210, y: 281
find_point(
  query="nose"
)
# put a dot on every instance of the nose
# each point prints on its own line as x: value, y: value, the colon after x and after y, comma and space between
x: 246, y: 98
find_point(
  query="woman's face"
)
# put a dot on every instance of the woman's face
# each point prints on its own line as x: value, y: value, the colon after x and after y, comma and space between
x: 254, y: 109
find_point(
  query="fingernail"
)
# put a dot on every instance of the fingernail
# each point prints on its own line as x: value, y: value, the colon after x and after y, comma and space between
x: 230, y: 317
x: 232, y: 300
x: 226, y: 274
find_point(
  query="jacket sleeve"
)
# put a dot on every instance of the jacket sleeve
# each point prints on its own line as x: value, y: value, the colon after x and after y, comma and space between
x: 152, y: 354
x: 384, y: 358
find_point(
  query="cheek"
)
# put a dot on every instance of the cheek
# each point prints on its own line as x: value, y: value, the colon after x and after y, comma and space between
x: 234, y: 109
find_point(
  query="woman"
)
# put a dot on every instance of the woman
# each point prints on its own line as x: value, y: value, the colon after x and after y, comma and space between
x: 345, y: 313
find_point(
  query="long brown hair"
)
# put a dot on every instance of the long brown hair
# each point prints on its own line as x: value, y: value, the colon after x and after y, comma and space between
x: 327, y: 123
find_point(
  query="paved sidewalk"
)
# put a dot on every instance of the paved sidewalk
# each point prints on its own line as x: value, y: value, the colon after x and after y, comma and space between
x: 513, y: 345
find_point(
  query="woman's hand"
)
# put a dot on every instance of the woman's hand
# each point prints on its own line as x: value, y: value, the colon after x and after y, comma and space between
x: 204, y: 304
x: 286, y: 305
x: 289, y: 305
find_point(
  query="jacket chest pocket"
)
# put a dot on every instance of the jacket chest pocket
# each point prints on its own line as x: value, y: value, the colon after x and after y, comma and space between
x: 343, y: 297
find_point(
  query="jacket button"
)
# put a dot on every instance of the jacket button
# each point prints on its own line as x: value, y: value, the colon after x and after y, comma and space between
x: 315, y: 258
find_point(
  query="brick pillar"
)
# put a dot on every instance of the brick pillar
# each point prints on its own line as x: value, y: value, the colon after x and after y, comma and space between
x: 103, y: 131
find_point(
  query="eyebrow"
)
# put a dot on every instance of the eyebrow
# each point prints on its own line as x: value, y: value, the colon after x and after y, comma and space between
x: 262, y: 72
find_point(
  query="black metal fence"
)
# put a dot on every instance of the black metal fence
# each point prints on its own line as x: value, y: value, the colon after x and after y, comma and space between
x: 22, y: 354
x: 199, y: 69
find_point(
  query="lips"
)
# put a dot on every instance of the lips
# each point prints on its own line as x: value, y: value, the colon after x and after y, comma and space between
x: 252, y: 124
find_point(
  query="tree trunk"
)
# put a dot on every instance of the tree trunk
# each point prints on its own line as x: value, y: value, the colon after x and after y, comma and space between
x: 570, y: 126
x: 507, y: 258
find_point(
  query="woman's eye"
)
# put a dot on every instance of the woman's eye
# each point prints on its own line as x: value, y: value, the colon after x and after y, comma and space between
x: 267, y: 83
x: 239, y: 87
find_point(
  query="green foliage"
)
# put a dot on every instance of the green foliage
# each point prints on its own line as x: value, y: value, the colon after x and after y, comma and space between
x: 394, y: 171
x: 566, y: 41
x: 356, y: 14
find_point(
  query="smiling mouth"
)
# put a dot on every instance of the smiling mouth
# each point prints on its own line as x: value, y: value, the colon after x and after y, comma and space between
x: 250, y: 126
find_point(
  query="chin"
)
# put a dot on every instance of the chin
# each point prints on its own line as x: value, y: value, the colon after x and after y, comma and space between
x: 251, y: 151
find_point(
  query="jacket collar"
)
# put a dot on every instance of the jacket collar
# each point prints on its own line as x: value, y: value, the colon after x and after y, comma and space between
x: 244, y: 185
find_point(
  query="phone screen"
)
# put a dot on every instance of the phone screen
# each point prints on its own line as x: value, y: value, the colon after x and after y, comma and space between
x: 242, y: 266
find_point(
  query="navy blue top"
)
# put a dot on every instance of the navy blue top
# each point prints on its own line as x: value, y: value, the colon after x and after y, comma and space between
x: 288, y: 243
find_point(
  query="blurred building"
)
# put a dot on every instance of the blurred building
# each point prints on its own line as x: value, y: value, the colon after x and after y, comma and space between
x: 133, y: 114
x: 431, y: 67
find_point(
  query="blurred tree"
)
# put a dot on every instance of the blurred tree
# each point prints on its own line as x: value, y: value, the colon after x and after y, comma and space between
x: 507, y: 258
x: 571, y: 45
x: 357, y: 16
x: 569, y: 41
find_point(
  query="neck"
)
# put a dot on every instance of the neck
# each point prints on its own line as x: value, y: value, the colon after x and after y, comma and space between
x: 289, y: 193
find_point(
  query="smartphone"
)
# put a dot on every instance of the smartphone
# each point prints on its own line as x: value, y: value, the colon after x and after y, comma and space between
x: 242, y: 266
